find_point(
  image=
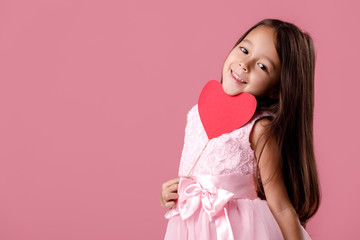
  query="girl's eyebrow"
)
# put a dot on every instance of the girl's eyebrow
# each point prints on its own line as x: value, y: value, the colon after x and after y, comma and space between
x: 248, y: 41
x: 271, y: 61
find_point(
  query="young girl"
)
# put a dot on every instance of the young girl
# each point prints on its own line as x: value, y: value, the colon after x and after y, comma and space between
x: 259, y: 181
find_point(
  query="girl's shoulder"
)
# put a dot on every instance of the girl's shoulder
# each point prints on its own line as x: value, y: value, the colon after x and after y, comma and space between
x: 193, y: 110
x: 261, y: 121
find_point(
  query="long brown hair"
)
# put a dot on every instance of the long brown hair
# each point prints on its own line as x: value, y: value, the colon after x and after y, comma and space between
x: 292, y: 123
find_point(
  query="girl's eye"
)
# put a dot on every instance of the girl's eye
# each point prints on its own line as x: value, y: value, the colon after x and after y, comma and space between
x: 262, y: 66
x: 244, y: 50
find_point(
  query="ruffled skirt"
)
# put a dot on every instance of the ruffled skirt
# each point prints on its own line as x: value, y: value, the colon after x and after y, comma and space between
x: 221, y: 207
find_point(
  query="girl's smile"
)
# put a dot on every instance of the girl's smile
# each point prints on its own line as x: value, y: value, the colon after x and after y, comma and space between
x: 253, y: 66
x: 238, y: 78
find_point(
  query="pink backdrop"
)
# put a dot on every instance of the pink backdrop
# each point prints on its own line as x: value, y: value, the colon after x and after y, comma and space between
x: 93, y: 99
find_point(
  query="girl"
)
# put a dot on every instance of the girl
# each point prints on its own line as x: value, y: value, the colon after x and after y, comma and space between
x: 259, y: 181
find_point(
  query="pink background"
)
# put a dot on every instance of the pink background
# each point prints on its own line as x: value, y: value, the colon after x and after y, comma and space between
x: 93, y: 100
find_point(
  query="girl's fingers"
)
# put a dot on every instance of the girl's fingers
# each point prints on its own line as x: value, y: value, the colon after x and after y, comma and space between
x: 169, y: 204
x: 170, y: 182
x: 173, y: 188
x: 168, y: 199
x: 170, y: 196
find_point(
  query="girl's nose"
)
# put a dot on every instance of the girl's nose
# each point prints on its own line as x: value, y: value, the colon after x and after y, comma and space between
x: 243, y: 67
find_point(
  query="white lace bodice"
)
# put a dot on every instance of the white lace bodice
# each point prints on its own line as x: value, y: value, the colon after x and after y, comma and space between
x: 227, y: 154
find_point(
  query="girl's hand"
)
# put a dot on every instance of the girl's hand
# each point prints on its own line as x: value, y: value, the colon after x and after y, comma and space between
x: 169, y: 194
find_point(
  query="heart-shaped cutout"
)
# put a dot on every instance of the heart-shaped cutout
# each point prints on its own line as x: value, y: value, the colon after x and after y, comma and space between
x: 221, y: 113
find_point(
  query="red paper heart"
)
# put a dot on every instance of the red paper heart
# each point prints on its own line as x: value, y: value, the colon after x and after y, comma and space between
x: 221, y: 113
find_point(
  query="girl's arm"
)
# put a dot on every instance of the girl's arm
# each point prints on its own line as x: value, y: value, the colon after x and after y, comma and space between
x: 273, y: 183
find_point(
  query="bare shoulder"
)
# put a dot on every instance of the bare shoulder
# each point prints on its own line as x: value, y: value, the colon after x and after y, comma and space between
x: 258, y: 130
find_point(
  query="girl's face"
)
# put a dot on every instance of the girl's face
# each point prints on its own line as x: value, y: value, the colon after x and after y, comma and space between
x: 253, y: 66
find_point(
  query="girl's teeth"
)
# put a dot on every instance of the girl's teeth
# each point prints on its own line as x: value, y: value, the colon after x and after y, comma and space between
x: 237, y: 77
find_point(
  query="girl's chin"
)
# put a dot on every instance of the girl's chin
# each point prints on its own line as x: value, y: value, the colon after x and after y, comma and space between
x: 231, y: 92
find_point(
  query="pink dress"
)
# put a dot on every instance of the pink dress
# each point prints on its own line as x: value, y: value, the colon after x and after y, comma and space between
x: 219, y: 200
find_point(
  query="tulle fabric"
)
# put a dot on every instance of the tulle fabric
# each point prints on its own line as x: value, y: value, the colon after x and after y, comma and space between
x: 249, y: 219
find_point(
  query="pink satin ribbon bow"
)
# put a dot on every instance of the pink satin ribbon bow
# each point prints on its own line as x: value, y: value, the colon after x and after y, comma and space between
x: 193, y: 195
